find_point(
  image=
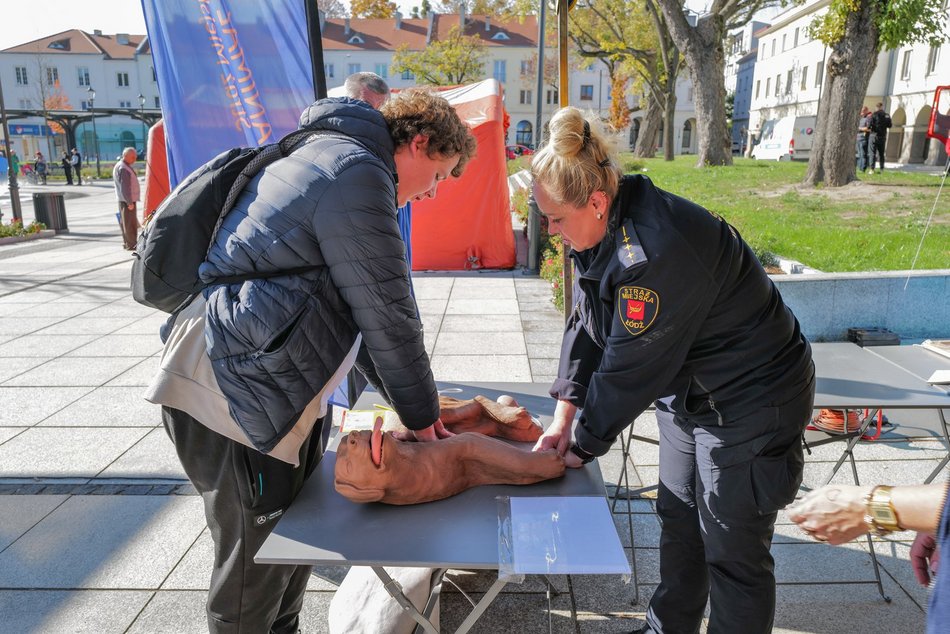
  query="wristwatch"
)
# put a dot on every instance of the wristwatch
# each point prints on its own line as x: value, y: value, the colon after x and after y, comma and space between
x: 580, y: 453
x: 880, y: 518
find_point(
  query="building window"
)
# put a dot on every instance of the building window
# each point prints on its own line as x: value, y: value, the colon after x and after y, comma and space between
x: 773, y: 46
x: 353, y: 68
x: 52, y: 75
x: 687, y: 135
x: 905, y: 65
x: 525, y: 97
x: 784, y: 37
x: 26, y: 104
x: 407, y: 74
x: 523, y: 133
x: 932, y: 59
x: 328, y: 70
x: 154, y: 76
x: 498, y: 71
x: 587, y: 92
x: 122, y: 80
x: 819, y: 73
x: 157, y: 103
x: 551, y: 97
x: 778, y: 85
x: 527, y: 67
x: 21, y: 79
x: 788, y: 83
x: 83, y: 74
x: 795, y: 41
x: 125, y: 104
x: 768, y: 86
x: 84, y: 105
x: 758, y: 84
x: 804, y: 77
x: 382, y: 70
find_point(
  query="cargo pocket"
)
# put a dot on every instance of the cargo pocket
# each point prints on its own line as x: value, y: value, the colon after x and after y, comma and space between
x: 776, y: 476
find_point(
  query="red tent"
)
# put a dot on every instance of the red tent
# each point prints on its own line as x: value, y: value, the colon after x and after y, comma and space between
x: 469, y: 224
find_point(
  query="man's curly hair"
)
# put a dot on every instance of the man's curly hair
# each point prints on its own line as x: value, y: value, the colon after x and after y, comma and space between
x: 420, y: 111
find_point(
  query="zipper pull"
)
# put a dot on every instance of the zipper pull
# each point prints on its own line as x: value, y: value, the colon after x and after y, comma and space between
x: 712, y: 406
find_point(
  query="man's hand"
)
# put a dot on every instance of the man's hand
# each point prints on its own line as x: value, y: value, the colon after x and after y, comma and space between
x: 436, y: 431
x: 832, y: 513
x: 924, y: 558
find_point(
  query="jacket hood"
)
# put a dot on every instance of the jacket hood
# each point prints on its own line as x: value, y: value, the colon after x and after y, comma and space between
x: 354, y: 118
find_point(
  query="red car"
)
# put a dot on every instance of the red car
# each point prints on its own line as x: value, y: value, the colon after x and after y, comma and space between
x: 514, y: 151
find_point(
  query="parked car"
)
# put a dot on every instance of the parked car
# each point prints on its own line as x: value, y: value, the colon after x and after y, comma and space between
x: 785, y: 139
x: 514, y: 151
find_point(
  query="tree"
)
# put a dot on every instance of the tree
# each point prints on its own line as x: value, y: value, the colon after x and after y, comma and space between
x: 332, y: 8
x: 373, y: 8
x: 631, y: 38
x: 56, y: 99
x: 619, y: 110
x: 426, y: 7
x: 702, y: 48
x: 856, y: 31
x: 456, y: 59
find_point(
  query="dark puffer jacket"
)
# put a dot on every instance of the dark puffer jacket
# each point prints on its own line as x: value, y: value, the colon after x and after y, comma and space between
x: 275, y: 342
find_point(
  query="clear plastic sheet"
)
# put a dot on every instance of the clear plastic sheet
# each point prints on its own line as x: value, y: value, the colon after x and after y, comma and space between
x: 558, y: 536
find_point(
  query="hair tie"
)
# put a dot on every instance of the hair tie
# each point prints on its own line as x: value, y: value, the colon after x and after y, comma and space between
x: 586, y: 132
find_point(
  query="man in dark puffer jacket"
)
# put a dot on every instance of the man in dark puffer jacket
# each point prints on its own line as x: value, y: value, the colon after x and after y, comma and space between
x: 276, y: 342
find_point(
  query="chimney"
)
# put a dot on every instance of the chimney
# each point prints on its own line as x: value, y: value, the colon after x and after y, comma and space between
x: 346, y: 26
x: 97, y: 32
x: 431, y: 29
x: 398, y: 17
x: 122, y: 38
x: 487, y: 23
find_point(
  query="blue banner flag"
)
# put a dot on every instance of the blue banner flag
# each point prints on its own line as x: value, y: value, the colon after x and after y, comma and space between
x: 230, y: 72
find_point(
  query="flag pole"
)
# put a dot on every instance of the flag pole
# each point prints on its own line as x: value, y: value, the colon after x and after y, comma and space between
x: 315, y: 36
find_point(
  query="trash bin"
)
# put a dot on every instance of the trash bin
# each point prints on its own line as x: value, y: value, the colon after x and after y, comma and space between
x: 50, y: 209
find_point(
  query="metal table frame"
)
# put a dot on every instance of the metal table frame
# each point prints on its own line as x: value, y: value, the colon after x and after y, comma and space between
x: 318, y: 528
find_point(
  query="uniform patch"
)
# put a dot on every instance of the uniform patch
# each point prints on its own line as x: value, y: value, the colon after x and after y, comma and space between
x: 638, y: 308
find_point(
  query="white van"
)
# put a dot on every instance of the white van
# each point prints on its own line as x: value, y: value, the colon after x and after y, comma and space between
x: 785, y: 139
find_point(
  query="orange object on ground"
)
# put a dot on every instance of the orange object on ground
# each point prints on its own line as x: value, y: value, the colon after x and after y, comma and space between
x: 156, y: 170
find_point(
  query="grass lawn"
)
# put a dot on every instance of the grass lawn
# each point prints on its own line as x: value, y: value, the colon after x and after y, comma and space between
x: 874, y: 224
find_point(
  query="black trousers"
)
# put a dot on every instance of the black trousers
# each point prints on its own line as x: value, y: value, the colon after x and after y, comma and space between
x: 876, y: 143
x: 720, y: 491
x: 244, y: 494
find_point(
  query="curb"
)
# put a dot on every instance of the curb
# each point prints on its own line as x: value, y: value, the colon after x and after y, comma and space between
x: 45, y: 233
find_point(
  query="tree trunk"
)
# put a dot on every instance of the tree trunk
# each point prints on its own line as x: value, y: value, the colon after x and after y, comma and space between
x: 701, y: 46
x: 847, y: 72
x: 649, y: 128
x: 668, y: 112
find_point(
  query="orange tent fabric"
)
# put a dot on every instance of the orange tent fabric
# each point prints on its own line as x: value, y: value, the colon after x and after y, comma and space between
x: 156, y: 170
x: 468, y: 225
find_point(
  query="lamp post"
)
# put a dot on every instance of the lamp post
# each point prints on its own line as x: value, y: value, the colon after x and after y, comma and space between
x: 142, y: 116
x: 95, y: 134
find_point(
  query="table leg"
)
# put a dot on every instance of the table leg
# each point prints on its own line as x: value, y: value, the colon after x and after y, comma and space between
x: 946, y: 438
x: 395, y: 591
x: 474, y: 615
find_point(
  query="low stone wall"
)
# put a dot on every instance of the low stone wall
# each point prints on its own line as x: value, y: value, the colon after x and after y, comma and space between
x: 827, y: 304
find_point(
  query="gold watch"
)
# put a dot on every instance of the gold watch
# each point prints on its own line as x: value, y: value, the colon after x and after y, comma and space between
x: 881, y: 518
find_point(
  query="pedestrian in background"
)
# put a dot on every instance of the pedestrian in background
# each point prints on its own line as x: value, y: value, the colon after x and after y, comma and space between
x: 879, y: 123
x: 127, y: 192
x: 862, y: 139
x: 15, y: 163
x: 39, y: 165
x: 67, y: 167
x: 76, y: 161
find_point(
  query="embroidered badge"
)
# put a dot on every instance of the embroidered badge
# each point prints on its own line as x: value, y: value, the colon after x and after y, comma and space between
x: 638, y: 308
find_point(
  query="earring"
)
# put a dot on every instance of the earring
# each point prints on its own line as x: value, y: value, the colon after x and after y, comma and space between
x: 600, y: 216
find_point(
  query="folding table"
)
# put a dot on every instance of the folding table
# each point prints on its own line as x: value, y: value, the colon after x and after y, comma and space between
x: 461, y: 532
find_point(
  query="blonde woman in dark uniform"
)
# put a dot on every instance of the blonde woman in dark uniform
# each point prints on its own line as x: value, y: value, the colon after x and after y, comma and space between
x: 673, y: 308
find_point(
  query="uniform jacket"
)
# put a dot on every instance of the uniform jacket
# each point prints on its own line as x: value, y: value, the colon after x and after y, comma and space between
x: 673, y: 306
x: 329, y: 205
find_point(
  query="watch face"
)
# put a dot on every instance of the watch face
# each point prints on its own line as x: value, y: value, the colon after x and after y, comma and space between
x: 882, y: 514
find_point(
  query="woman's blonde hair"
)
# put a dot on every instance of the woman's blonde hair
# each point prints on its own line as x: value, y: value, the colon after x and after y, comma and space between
x: 577, y: 160
x: 420, y: 111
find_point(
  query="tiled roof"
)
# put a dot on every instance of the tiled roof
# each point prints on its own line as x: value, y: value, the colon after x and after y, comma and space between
x: 382, y: 34
x: 76, y: 41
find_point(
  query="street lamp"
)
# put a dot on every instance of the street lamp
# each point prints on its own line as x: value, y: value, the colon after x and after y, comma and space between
x: 95, y: 134
x: 142, y: 116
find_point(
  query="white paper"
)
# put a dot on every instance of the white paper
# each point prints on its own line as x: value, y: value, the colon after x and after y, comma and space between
x: 565, y: 535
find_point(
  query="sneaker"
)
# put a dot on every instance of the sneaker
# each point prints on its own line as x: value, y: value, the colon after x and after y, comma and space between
x: 870, y: 171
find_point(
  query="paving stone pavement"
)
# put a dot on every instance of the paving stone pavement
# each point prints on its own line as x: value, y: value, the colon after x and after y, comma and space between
x: 101, y: 532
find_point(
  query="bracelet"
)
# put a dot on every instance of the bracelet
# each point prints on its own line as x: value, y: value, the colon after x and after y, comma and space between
x: 580, y: 453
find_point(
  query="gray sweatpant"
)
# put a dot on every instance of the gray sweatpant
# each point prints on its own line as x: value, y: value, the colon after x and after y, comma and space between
x: 244, y: 493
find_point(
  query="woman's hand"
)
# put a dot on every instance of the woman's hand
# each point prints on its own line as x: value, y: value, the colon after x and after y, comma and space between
x: 558, y: 434
x: 924, y: 557
x: 833, y: 513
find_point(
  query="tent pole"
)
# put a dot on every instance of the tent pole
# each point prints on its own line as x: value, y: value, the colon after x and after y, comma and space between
x: 316, y: 49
